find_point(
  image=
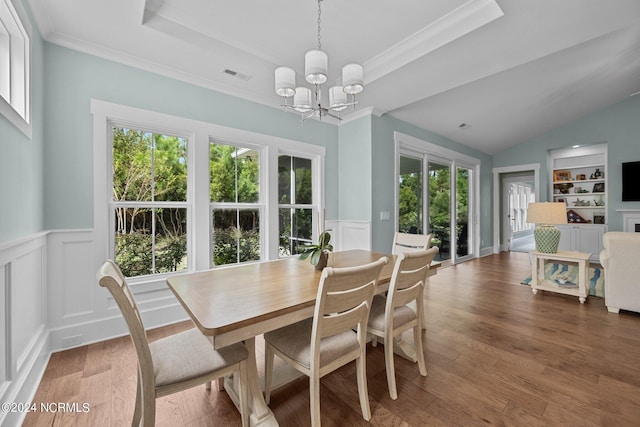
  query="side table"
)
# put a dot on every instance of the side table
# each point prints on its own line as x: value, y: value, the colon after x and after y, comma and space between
x: 538, y: 280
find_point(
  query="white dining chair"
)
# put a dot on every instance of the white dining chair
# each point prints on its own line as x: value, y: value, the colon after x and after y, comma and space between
x: 174, y: 363
x: 335, y: 336
x: 407, y: 242
x: 391, y: 315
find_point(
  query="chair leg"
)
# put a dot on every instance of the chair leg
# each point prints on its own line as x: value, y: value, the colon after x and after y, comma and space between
x: 243, y: 394
x: 390, y: 366
x: 268, y: 371
x: 314, y: 398
x: 417, y: 340
x: 137, y: 412
x: 363, y: 392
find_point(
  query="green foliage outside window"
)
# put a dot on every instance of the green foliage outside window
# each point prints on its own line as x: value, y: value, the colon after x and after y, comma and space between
x: 149, y: 168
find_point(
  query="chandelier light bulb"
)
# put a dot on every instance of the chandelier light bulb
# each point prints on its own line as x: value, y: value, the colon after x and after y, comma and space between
x: 285, y: 82
x: 316, y: 65
x: 337, y: 98
x: 302, y: 100
x: 353, y: 78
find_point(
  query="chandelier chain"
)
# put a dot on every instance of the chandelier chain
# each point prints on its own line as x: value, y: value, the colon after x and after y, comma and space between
x: 319, y: 16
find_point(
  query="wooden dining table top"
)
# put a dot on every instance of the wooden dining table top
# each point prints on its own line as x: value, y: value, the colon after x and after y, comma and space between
x: 225, y: 299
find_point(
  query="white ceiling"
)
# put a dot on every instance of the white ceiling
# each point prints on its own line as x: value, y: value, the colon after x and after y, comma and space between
x: 509, y: 69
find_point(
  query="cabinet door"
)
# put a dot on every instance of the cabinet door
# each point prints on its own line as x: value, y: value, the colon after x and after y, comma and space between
x: 589, y: 239
x: 566, y: 238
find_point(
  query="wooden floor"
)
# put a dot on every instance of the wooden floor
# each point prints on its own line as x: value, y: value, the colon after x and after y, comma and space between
x: 496, y: 355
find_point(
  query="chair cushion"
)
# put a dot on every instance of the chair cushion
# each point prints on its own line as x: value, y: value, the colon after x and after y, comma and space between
x: 401, y: 315
x: 190, y: 354
x: 295, y: 341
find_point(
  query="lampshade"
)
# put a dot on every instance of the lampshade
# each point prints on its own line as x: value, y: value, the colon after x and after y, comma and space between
x: 285, y: 81
x: 547, y: 213
x: 337, y: 98
x: 302, y: 100
x: 316, y: 65
x: 353, y: 78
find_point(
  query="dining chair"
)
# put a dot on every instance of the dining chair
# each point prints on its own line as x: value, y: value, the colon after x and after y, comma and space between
x: 335, y: 336
x: 174, y: 363
x: 406, y: 242
x: 391, y: 315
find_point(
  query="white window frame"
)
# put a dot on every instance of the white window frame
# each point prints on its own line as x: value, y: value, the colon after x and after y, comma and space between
x: 15, y: 65
x: 199, y: 135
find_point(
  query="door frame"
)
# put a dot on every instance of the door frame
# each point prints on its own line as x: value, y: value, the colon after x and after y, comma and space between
x: 497, y: 195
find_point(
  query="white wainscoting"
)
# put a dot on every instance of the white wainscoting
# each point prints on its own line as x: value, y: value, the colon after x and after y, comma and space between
x: 24, y: 345
x: 347, y: 235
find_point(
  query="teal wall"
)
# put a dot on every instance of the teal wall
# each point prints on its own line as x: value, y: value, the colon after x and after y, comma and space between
x: 21, y: 161
x: 74, y: 78
x: 618, y: 126
x: 383, y: 179
x: 354, y: 177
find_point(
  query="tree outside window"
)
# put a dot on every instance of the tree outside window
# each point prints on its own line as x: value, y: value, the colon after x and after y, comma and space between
x: 235, y: 204
x: 295, y: 203
x: 149, y: 202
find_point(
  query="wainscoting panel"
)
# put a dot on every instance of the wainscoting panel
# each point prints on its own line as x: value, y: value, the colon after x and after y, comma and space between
x: 24, y: 342
x: 354, y: 235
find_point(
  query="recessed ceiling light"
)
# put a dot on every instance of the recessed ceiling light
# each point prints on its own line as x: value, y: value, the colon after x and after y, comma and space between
x: 575, y: 146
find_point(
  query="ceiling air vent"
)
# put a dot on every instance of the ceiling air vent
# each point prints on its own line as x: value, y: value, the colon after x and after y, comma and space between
x: 236, y: 74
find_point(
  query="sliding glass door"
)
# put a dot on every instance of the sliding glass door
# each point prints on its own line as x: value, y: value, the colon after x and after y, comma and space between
x: 435, y: 196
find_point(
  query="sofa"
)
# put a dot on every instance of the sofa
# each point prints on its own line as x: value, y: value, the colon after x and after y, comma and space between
x: 621, y: 262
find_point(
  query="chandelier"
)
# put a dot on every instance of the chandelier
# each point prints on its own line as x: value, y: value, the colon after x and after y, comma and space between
x: 308, y: 102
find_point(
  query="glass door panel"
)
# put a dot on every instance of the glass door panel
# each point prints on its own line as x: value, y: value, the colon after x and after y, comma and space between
x: 463, y: 212
x: 440, y: 207
x: 410, y: 199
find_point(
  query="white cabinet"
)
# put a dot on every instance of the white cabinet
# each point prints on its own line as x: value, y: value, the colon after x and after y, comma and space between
x: 582, y: 238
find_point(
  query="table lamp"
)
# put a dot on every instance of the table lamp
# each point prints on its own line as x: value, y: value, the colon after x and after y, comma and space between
x: 545, y: 215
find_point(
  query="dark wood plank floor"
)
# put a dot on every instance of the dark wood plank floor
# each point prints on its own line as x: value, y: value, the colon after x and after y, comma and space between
x: 496, y: 355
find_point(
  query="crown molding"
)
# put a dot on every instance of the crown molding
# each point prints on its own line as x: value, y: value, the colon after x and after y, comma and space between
x: 457, y: 23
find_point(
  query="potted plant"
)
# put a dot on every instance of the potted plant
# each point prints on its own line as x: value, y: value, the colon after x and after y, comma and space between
x: 318, y: 254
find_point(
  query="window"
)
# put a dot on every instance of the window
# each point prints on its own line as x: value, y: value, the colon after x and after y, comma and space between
x: 15, y: 65
x: 235, y: 204
x: 174, y: 194
x: 295, y: 203
x: 149, y: 202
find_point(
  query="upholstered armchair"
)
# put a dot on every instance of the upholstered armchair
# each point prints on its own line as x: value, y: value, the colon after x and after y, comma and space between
x: 620, y: 260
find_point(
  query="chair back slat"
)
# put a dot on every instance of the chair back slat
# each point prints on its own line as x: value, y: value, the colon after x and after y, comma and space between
x: 406, y: 242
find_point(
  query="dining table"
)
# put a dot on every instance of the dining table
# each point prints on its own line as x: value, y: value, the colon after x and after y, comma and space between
x: 238, y: 303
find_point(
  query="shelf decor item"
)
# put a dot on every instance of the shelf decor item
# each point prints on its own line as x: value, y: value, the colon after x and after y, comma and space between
x: 562, y: 175
x: 545, y: 215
